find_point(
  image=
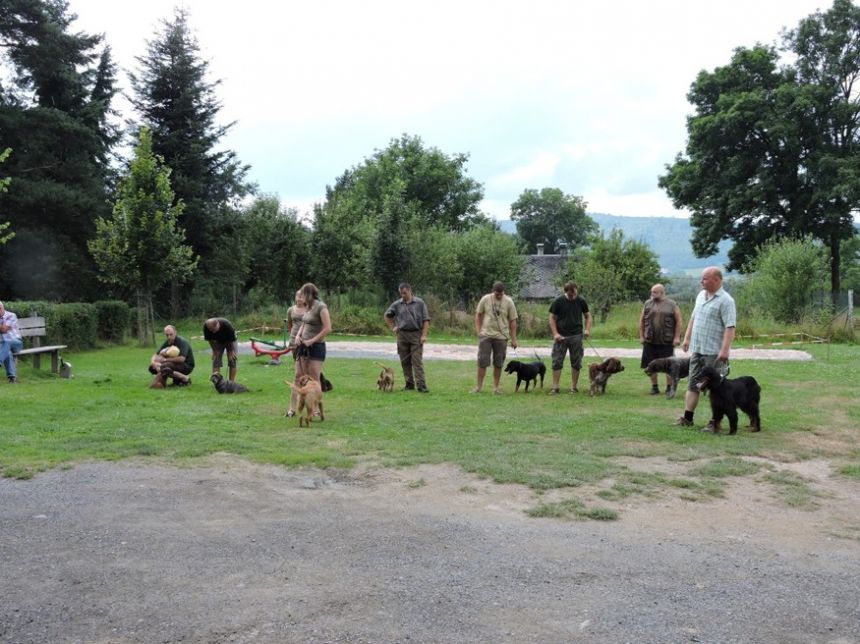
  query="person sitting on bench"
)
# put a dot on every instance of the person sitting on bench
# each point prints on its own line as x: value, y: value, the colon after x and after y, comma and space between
x: 10, y: 342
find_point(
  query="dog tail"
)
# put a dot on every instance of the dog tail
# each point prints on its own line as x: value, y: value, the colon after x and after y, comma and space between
x: 287, y: 382
x: 379, y: 364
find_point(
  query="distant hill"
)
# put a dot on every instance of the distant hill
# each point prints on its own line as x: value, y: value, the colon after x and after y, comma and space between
x: 668, y: 237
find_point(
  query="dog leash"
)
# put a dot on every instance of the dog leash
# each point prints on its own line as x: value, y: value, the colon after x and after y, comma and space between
x: 588, y: 340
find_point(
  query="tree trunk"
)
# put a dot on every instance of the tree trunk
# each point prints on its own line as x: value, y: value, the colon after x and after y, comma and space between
x: 141, y: 320
x: 835, y: 261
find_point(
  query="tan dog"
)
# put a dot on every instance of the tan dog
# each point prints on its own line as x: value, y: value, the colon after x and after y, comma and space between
x: 310, y: 398
x: 386, y: 378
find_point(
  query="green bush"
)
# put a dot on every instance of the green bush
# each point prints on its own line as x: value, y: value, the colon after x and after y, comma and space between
x: 113, y: 320
x: 73, y: 324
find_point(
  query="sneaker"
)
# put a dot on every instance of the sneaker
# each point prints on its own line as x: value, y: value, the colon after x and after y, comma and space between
x: 670, y: 393
x: 475, y: 391
x: 13, y: 380
x: 290, y: 413
x: 573, y: 390
x: 423, y: 390
x: 683, y: 422
x: 552, y: 392
x: 497, y: 391
x: 655, y: 391
x: 408, y: 387
x: 710, y: 428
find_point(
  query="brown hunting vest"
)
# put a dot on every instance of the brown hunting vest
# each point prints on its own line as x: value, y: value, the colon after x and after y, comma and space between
x: 659, y: 322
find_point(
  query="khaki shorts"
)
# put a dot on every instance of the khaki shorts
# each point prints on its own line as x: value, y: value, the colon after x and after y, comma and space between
x: 497, y: 348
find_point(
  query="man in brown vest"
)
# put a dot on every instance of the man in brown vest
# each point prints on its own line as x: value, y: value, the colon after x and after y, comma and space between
x: 659, y: 331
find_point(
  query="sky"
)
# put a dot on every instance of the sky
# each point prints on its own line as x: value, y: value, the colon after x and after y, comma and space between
x: 588, y: 97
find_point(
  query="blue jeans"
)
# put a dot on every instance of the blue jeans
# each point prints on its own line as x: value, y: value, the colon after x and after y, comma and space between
x: 7, y: 348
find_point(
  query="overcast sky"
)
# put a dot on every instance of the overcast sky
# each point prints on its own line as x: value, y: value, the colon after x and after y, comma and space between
x: 588, y: 97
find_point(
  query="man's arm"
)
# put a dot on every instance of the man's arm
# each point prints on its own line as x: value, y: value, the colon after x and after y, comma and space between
x: 479, y: 321
x: 424, y: 329
x: 554, y: 328
x: 588, y: 319
x: 728, y: 338
x: 642, y: 325
x: 513, y: 327
x: 679, y: 322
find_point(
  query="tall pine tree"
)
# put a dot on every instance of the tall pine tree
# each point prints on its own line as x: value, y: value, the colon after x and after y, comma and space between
x: 178, y: 104
x: 54, y: 114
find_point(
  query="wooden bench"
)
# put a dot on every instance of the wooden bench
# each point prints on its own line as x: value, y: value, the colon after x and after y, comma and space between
x: 34, y: 327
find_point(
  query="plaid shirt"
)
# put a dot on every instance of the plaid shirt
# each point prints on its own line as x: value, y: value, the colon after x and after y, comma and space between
x: 10, y: 319
x: 710, y: 319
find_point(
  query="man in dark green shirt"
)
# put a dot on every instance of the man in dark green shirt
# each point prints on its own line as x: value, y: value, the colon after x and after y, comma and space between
x: 566, y: 315
x: 174, y: 359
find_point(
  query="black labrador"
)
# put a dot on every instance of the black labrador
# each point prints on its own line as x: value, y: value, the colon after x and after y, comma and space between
x: 727, y: 395
x: 528, y: 372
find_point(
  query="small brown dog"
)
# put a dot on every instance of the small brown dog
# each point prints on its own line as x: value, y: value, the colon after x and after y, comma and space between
x: 386, y: 378
x: 310, y: 398
x: 599, y: 372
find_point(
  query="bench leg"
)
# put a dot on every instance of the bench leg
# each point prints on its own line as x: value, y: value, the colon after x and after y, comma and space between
x: 37, y: 361
x: 55, y: 362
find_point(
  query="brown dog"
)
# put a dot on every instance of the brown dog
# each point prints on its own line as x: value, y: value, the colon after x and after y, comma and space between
x: 599, y: 372
x: 386, y: 378
x: 310, y: 398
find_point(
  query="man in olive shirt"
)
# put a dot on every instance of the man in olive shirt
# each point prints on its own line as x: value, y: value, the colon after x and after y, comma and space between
x: 495, y: 324
x: 566, y: 315
x: 409, y: 320
x: 174, y: 359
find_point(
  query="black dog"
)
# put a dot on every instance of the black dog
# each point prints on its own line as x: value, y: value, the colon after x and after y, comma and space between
x: 223, y: 386
x: 677, y: 368
x: 527, y: 371
x: 727, y: 395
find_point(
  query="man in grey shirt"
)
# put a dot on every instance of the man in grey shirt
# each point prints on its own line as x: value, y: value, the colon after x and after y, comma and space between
x: 409, y: 320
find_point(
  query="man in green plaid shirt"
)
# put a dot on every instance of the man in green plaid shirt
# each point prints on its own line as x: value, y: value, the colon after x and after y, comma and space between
x: 708, y: 338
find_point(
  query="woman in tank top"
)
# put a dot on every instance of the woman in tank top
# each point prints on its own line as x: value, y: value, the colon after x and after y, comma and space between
x: 310, y: 340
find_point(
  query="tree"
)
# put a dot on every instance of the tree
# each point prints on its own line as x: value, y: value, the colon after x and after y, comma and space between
x: 4, y: 187
x: 141, y: 246
x: 773, y: 149
x: 612, y: 270
x: 487, y: 255
x: 178, y: 104
x: 552, y: 218
x: 54, y: 113
x: 785, y: 276
x: 407, y: 185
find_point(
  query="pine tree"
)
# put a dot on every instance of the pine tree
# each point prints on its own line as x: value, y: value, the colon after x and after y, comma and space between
x: 54, y: 113
x: 178, y: 104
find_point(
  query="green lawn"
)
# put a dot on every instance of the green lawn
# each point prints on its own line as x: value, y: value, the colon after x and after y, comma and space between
x: 809, y: 410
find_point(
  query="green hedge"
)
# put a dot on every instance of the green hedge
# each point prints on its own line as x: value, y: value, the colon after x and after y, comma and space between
x: 77, y: 325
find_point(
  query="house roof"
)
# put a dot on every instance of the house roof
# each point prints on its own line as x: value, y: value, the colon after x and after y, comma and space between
x: 539, y: 276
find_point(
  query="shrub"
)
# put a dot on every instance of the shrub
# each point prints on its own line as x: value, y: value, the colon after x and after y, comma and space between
x: 113, y: 320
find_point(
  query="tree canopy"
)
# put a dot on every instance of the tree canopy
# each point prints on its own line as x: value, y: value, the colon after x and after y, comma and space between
x: 552, y: 218
x: 54, y: 113
x: 773, y: 144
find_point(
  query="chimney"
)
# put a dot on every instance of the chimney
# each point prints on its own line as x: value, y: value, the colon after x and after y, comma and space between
x: 540, y: 249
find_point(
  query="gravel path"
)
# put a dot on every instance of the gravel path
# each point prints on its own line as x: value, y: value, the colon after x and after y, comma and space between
x: 234, y: 552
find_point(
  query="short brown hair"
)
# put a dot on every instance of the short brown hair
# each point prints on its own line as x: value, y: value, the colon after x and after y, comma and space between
x: 570, y: 286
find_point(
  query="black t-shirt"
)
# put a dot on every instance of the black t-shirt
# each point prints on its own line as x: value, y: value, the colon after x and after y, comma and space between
x: 225, y: 333
x: 569, y: 314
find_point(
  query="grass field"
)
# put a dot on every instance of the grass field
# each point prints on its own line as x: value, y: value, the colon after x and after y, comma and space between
x: 809, y: 410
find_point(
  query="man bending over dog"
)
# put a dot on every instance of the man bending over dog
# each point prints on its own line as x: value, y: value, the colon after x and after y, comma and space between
x: 566, y: 315
x: 709, y: 338
x: 174, y: 359
x: 221, y: 335
x: 410, y: 321
x: 659, y: 332
x: 495, y: 323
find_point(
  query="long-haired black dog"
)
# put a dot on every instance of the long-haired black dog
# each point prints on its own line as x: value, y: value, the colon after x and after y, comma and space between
x: 727, y: 395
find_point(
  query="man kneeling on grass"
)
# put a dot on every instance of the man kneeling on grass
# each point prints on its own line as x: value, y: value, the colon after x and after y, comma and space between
x: 174, y: 359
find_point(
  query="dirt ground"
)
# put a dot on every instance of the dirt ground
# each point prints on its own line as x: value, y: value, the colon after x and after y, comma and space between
x: 230, y: 551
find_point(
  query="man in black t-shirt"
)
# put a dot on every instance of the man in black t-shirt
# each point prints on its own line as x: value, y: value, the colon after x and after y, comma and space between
x: 174, y: 359
x: 221, y: 335
x: 566, y: 314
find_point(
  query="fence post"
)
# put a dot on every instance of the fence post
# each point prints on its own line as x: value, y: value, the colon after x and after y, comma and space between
x: 851, y: 308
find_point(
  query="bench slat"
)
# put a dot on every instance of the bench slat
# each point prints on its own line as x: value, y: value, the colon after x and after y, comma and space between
x: 50, y: 349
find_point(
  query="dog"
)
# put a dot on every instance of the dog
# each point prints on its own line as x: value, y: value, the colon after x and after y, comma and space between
x: 727, y: 395
x: 677, y: 368
x: 224, y: 386
x: 599, y: 372
x: 310, y: 398
x: 386, y: 378
x: 527, y: 372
